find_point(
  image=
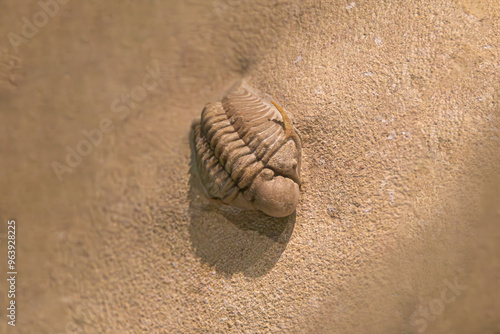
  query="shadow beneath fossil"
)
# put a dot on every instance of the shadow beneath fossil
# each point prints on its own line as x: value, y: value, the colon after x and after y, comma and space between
x: 235, y: 240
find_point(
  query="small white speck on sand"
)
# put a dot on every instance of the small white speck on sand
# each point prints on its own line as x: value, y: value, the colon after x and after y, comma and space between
x: 391, y: 196
x: 299, y: 58
x: 378, y: 41
x: 350, y: 6
x: 319, y: 90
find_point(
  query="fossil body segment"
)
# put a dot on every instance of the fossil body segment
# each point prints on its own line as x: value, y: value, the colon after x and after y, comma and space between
x: 247, y: 153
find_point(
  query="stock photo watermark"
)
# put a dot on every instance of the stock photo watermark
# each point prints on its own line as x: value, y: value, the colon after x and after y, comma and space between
x: 120, y: 108
x: 429, y: 312
x: 31, y: 26
x: 11, y: 272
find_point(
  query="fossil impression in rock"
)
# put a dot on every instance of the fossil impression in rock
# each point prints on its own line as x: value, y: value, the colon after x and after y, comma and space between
x: 247, y: 152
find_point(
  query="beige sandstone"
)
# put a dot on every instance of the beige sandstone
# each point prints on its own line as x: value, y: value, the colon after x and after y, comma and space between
x: 396, y: 230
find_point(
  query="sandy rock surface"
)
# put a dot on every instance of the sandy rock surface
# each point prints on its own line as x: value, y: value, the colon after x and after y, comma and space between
x: 396, y: 230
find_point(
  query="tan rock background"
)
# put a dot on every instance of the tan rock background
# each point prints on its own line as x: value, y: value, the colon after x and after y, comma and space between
x: 397, y: 103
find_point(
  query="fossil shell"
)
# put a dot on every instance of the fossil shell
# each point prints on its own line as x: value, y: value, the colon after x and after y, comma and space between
x: 247, y: 152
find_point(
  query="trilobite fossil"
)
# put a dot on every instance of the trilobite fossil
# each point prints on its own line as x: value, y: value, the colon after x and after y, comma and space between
x: 247, y: 152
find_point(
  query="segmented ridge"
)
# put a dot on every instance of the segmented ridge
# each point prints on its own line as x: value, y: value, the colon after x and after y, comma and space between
x: 252, y: 119
x: 223, y: 158
x: 215, y: 179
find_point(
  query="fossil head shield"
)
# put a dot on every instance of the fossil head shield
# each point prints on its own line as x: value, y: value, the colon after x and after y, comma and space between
x: 248, y: 153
